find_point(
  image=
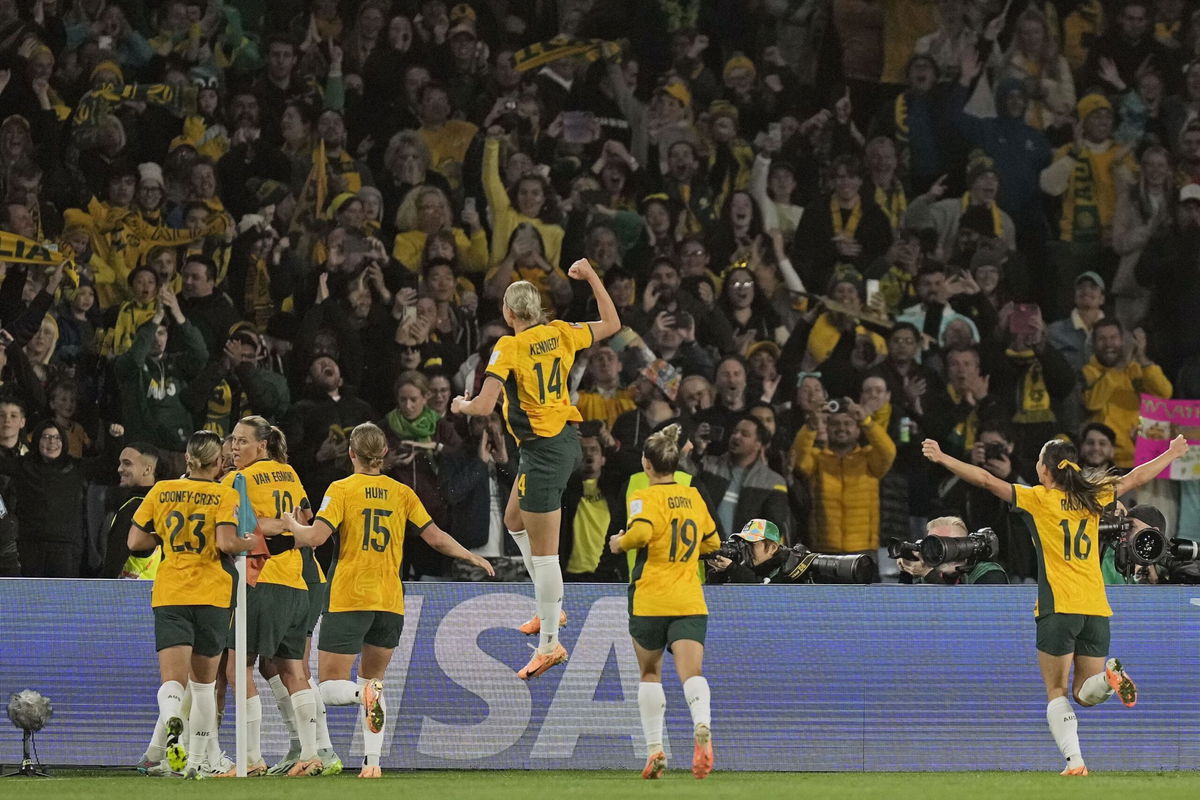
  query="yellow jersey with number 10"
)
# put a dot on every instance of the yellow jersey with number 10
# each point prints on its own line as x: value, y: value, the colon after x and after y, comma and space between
x: 1068, y: 547
x: 534, y: 366
x: 670, y: 527
x: 274, y: 488
x: 371, y: 514
x: 184, y: 514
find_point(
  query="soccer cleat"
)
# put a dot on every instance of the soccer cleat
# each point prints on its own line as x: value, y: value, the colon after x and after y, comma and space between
x: 306, y: 767
x: 224, y: 764
x: 333, y: 764
x: 192, y: 775
x: 656, y: 765
x: 372, y: 694
x: 534, y: 626
x: 285, y: 765
x: 370, y: 771
x: 257, y: 769
x: 155, y: 769
x: 542, y: 662
x: 702, y: 755
x: 1075, y: 772
x: 176, y: 754
x: 1120, y: 682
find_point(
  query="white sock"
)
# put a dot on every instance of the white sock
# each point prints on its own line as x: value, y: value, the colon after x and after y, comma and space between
x: 185, y: 712
x: 372, y: 742
x: 1065, y: 729
x: 253, y: 730
x: 202, y: 721
x: 283, y: 699
x: 522, y: 540
x: 340, y: 693
x: 652, y: 704
x: 1095, y: 690
x: 695, y: 689
x: 305, y: 705
x: 323, y: 742
x: 158, y: 741
x: 170, y: 700
x: 548, y: 588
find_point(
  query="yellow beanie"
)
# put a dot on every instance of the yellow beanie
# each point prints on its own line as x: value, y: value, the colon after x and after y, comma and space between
x: 1092, y: 102
x: 738, y: 62
x: 108, y: 66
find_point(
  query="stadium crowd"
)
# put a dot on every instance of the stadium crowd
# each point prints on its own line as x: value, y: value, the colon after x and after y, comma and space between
x: 832, y: 228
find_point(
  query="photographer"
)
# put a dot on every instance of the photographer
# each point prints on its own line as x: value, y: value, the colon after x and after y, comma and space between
x: 752, y: 555
x: 951, y: 573
x: 1176, y: 564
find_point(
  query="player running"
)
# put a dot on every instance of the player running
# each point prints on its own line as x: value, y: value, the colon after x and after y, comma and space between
x: 195, y: 520
x: 277, y: 607
x: 670, y: 528
x: 531, y: 368
x: 372, y: 514
x: 1072, y: 611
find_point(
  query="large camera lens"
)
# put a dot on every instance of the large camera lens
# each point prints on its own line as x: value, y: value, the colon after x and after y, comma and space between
x: 1185, y: 549
x: 981, y: 545
x: 843, y: 569
x: 1148, y: 546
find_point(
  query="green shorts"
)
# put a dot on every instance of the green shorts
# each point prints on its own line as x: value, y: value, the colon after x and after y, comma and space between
x: 1073, y: 634
x: 276, y: 621
x: 202, y: 627
x: 655, y: 633
x: 318, y: 596
x: 544, y: 469
x: 345, y: 632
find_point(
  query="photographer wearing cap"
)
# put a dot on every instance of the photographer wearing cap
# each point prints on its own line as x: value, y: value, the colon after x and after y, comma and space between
x: 952, y: 573
x: 752, y: 555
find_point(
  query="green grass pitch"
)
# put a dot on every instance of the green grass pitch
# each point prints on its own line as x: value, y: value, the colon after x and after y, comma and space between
x: 678, y: 784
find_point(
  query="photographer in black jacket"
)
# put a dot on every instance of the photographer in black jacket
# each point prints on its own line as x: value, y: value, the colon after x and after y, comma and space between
x: 756, y: 549
x: 952, y: 573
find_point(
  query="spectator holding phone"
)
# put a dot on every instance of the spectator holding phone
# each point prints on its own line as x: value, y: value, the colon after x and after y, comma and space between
x: 526, y: 259
x: 673, y: 338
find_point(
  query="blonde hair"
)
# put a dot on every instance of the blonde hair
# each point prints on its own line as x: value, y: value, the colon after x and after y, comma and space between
x: 266, y: 432
x: 203, y: 451
x: 662, y: 450
x: 369, y: 444
x: 946, y: 522
x: 407, y: 213
x: 524, y: 300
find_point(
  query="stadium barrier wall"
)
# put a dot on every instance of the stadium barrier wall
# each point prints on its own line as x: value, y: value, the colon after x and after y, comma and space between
x: 828, y: 678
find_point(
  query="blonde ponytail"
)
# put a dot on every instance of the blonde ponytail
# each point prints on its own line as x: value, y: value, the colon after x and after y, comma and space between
x: 662, y: 450
x: 525, y: 302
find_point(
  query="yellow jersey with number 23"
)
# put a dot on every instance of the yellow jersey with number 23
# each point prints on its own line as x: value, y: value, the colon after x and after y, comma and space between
x: 533, y: 366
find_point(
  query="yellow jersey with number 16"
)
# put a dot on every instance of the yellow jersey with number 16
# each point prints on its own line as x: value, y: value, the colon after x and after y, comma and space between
x: 184, y: 514
x: 670, y: 527
x: 534, y: 366
x: 371, y: 514
x: 1068, y: 548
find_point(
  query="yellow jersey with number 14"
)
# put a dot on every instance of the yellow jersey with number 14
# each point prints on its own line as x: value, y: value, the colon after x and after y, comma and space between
x: 1068, y: 547
x: 670, y: 528
x: 274, y: 488
x: 534, y: 366
x: 371, y: 514
x: 184, y: 514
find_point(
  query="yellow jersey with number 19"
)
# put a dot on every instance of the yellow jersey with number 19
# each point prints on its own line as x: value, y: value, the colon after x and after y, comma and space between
x: 670, y: 527
x: 534, y: 366
x: 274, y: 488
x: 1068, y: 547
x: 184, y: 514
x: 371, y: 514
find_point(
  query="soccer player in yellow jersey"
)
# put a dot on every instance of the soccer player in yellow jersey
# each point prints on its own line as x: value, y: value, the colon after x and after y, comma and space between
x: 195, y: 520
x: 1063, y: 516
x: 530, y: 368
x: 670, y: 528
x: 372, y: 514
x: 277, y: 606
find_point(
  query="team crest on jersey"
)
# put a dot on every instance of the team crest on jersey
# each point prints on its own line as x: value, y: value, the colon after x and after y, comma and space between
x: 635, y: 507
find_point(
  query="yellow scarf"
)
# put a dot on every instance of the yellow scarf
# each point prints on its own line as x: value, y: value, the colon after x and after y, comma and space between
x: 997, y: 217
x: 257, y: 295
x: 901, y: 119
x: 966, y: 429
x: 851, y: 225
x: 893, y: 203
x: 1035, y: 397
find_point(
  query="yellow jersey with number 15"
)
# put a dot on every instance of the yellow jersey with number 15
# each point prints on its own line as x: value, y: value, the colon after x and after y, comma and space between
x: 274, y: 488
x: 184, y: 514
x: 534, y: 366
x: 371, y: 514
x: 670, y: 528
x: 1068, y: 547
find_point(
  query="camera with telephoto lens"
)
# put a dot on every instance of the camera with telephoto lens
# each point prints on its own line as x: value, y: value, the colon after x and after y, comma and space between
x: 800, y: 565
x: 982, y: 545
x: 838, y: 405
x: 1146, y: 547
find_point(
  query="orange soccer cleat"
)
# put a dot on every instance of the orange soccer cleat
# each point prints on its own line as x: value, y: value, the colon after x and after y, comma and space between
x: 702, y: 755
x: 371, y: 695
x: 534, y: 626
x: 656, y: 765
x: 1075, y: 772
x: 303, y: 768
x: 1120, y: 682
x: 542, y: 662
x: 370, y: 771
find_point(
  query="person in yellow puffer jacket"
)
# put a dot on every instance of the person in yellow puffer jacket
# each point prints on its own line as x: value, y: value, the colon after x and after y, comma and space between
x: 844, y: 476
x: 1114, y: 380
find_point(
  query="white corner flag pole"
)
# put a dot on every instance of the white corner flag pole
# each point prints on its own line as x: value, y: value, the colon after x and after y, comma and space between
x: 239, y: 656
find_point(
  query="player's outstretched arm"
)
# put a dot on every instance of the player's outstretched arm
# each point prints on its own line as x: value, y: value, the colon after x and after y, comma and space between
x: 976, y: 476
x: 445, y: 544
x: 610, y: 320
x: 306, y: 535
x: 482, y: 404
x: 1144, y: 473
